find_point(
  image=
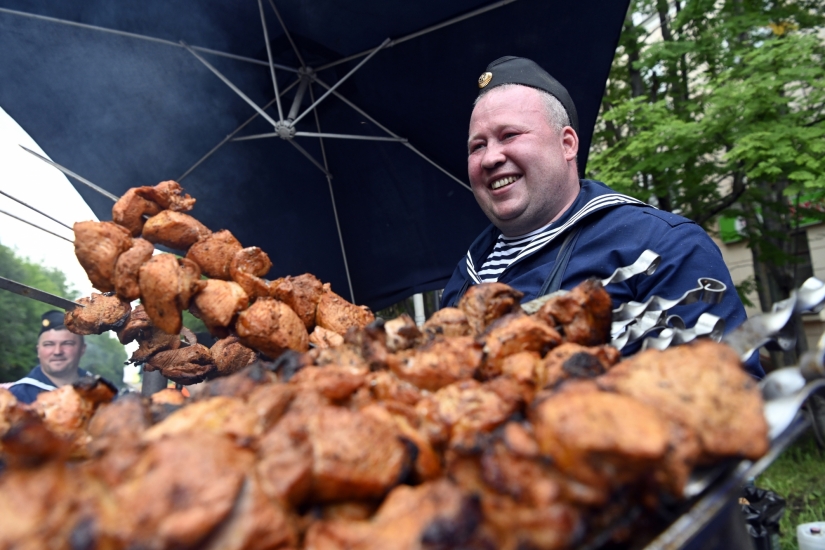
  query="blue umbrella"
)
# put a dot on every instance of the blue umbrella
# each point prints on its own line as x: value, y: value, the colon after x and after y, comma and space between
x: 330, y: 134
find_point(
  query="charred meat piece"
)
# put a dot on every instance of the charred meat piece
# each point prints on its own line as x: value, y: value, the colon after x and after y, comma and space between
x: 486, y: 302
x: 600, y: 438
x: 168, y: 195
x: 571, y: 360
x: 135, y: 326
x: 174, y: 229
x: 301, y: 293
x: 436, y: 514
x: 462, y: 411
x: 335, y: 382
x: 438, y: 363
x: 127, y: 268
x: 336, y: 314
x: 98, y: 314
x: 323, y: 338
x: 152, y: 341
x: 218, y: 302
x: 448, y: 321
x: 214, y: 253
x: 703, y: 386
x: 402, y: 333
x: 129, y: 210
x: 97, y: 246
x: 270, y: 326
x: 583, y: 315
x: 188, y: 365
x: 251, y: 260
x: 230, y: 356
x: 384, y: 386
x: 166, y: 286
x: 511, y: 334
x: 220, y: 415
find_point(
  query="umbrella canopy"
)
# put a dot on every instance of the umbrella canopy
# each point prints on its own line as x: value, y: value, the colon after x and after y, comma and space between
x: 133, y: 93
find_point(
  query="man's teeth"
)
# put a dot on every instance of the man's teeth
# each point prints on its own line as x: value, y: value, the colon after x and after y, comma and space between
x: 504, y: 181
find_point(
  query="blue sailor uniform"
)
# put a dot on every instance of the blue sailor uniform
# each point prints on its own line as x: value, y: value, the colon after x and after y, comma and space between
x: 606, y: 230
x: 27, y: 389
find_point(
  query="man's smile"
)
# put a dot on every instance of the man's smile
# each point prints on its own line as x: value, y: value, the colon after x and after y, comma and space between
x: 502, y: 182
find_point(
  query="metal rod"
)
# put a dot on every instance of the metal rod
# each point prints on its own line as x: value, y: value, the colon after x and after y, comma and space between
x: 36, y: 210
x: 36, y: 226
x: 39, y: 295
x: 153, y: 382
x: 346, y: 76
x: 231, y: 135
x: 321, y: 135
x: 349, y: 136
x: 68, y: 172
x: 144, y: 37
x: 271, y: 64
x: 332, y: 197
x: 310, y: 157
x: 229, y: 83
x: 286, y: 32
x: 406, y: 143
x: 416, y: 34
x: 298, y: 99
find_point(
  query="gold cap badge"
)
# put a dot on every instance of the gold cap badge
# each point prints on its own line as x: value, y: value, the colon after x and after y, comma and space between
x: 484, y: 79
x: 46, y: 322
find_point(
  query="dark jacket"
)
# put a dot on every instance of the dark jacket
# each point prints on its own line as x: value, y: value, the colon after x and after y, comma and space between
x: 27, y: 389
x: 613, y: 230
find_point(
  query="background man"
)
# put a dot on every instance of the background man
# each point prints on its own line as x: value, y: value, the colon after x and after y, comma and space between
x: 59, y: 352
x: 551, y: 230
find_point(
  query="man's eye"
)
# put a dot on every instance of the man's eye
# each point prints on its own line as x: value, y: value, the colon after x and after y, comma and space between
x: 509, y: 135
x: 475, y: 147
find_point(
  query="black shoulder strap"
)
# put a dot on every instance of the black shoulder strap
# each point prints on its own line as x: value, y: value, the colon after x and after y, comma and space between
x: 553, y: 281
x: 461, y: 292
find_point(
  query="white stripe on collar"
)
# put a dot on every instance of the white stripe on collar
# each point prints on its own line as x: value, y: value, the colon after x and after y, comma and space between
x: 36, y: 383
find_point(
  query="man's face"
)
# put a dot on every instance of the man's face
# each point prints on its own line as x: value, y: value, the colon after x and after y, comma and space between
x: 520, y: 166
x: 59, y: 352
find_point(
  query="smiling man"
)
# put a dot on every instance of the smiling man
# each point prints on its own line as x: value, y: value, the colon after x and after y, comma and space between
x: 58, y: 352
x: 552, y: 230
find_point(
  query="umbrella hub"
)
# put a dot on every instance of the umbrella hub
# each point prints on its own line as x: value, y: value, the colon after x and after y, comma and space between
x: 285, y: 129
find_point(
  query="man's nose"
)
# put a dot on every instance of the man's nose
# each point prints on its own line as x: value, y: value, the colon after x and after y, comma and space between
x: 493, y: 156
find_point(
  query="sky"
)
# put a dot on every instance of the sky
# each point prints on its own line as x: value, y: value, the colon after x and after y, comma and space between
x: 34, y: 182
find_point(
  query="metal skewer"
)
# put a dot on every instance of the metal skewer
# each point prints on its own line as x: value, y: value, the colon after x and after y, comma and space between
x: 69, y: 173
x: 35, y: 209
x: 39, y: 295
x: 35, y: 225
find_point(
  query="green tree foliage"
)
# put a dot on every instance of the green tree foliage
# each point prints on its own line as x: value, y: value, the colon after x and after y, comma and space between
x: 20, y: 322
x: 725, y: 115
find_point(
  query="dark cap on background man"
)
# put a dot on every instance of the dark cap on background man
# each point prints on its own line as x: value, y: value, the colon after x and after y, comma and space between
x: 519, y: 70
x: 52, y: 320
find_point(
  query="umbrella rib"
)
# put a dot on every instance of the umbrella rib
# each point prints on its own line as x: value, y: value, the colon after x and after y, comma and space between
x: 68, y: 172
x: 349, y: 74
x: 406, y: 143
x: 228, y: 137
x: 143, y: 37
x: 332, y: 197
x: 229, y: 83
x: 286, y: 32
x: 321, y: 135
x: 271, y: 64
x: 30, y: 207
x: 310, y: 157
x: 424, y: 31
x: 35, y: 225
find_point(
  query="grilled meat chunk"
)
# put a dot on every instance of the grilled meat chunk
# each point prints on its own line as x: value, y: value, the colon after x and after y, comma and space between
x: 174, y: 229
x: 97, y: 246
x: 230, y: 356
x: 214, y: 253
x: 677, y: 383
x: 152, y: 341
x: 129, y: 210
x: 438, y: 363
x: 188, y: 365
x: 127, y: 268
x: 402, y: 333
x: 135, y: 326
x: 323, y: 338
x: 571, y: 360
x: 247, y: 267
x: 167, y: 284
x: 218, y: 302
x: 271, y: 327
x: 448, y: 321
x: 97, y: 314
x: 583, y: 315
x: 168, y: 195
x: 301, y: 293
x: 484, y: 303
x: 511, y: 334
x: 336, y: 314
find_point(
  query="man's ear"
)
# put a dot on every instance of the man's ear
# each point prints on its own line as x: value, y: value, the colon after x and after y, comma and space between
x: 570, y: 143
